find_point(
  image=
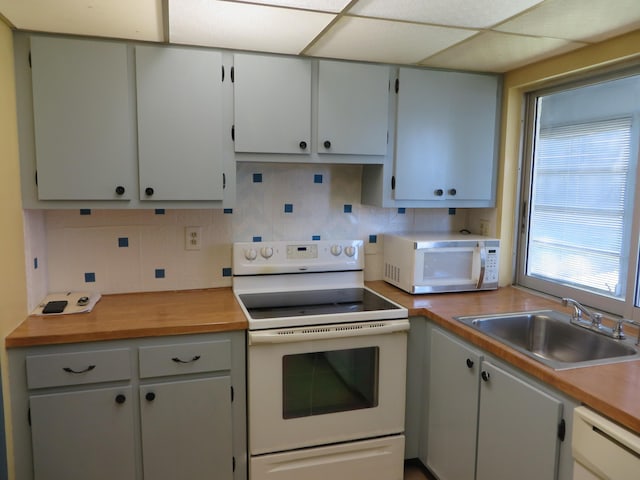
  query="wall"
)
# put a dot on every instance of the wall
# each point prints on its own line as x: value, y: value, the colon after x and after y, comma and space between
x: 516, y: 84
x: 12, y: 267
x: 111, y: 251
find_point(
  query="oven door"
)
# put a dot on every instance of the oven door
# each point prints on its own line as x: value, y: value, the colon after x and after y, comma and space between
x: 331, y: 383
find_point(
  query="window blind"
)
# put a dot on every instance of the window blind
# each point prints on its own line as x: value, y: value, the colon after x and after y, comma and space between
x: 577, y: 225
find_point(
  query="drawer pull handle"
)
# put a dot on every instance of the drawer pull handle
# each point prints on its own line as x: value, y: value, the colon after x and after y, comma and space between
x: 179, y: 360
x: 71, y: 370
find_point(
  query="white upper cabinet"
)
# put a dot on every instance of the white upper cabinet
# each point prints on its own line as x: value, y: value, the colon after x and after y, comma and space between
x: 446, y: 136
x: 83, y: 122
x: 353, y: 108
x: 179, y: 94
x: 272, y: 104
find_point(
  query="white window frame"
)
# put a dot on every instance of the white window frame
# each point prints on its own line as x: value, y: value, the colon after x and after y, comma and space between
x: 622, y: 308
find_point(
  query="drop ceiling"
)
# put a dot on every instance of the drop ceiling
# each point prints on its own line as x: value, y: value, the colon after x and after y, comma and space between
x: 479, y: 35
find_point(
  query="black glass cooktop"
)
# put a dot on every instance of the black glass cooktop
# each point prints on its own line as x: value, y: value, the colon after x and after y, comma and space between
x: 313, y: 302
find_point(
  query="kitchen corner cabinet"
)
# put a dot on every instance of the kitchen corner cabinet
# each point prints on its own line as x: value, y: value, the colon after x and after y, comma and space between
x: 84, y: 130
x: 164, y: 408
x: 485, y: 422
x: 272, y: 104
x: 445, y: 144
x: 179, y: 99
x: 353, y: 108
x: 446, y: 135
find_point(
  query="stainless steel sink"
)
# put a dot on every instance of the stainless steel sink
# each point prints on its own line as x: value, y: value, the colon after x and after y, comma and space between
x: 549, y: 337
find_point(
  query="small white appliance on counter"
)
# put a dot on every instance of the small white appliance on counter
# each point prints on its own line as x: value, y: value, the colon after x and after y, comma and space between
x: 423, y: 262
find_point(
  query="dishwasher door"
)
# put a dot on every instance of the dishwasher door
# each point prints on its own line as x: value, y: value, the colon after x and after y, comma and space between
x: 603, y: 449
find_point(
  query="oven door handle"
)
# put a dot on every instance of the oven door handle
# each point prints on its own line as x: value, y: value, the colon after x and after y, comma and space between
x: 325, y: 332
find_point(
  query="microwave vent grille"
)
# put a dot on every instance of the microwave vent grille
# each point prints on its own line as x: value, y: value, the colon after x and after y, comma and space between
x: 391, y: 272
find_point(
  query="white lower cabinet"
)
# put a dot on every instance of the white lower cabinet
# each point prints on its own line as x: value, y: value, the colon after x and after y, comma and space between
x: 186, y: 427
x: 85, y: 434
x: 452, y: 407
x: 145, y: 409
x: 484, y: 422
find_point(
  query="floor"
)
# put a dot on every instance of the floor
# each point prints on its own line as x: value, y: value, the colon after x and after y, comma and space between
x: 415, y: 471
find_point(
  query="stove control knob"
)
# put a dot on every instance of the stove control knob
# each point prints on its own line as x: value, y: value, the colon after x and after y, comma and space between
x: 336, y: 250
x: 250, y: 254
x: 350, y: 251
x: 266, y: 252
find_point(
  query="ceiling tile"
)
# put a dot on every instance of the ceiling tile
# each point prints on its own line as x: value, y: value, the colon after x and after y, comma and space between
x: 581, y: 20
x: 139, y: 20
x: 499, y: 52
x: 243, y: 26
x: 460, y: 13
x: 333, y: 6
x: 384, y: 41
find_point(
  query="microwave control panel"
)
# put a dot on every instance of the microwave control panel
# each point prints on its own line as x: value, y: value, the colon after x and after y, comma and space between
x: 491, y: 267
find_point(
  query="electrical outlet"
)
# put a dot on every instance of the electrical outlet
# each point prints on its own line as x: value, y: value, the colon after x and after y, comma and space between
x: 192, y: 238
x: 484, y: 227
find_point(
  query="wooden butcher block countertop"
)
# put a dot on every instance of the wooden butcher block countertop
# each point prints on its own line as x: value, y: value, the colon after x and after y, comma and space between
x: 613, y: 390
x: 133, y: 315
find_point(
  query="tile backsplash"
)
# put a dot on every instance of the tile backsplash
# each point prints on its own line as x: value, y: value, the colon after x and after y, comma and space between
x: 117, y: 251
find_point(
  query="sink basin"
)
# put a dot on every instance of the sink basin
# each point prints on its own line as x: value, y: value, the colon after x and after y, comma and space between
x: 549, y: 337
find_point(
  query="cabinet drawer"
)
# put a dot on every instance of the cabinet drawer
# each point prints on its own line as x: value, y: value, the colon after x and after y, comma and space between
x: 184, y: 358
x: 60, y: 369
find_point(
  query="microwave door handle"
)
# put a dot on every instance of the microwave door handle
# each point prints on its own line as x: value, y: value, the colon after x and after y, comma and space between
x: 483, y: 264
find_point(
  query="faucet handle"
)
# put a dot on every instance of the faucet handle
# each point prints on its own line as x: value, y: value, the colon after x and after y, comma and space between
x: 617, y: 332
x: 634, y: 323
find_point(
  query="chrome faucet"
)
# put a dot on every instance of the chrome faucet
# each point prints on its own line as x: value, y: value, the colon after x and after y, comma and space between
x: 594, y: 320
x: 580, y: 311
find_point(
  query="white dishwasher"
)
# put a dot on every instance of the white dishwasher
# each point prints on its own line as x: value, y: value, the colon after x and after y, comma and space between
x: 603, y: 449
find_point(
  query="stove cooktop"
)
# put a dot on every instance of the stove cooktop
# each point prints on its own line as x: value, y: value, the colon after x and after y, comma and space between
x: 314, y: 302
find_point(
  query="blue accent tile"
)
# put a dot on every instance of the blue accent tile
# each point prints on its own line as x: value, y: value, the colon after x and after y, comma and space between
x: 159, y: 272
x: 402, y: 210
x: 228, y: 210
x: 89, y: 277
x: 257, y: 178
x: 348, y: 208
x: 85, y: 211
x: 35, y: 263
x: 159, y: 211
x: 123, y: 242
x: 317, y: 178
x: 288, y: 207
x: 257, y: 239
x: 373, y: 239
x: 452, y: 211
x: 226, y: 272
x: 315, y: 237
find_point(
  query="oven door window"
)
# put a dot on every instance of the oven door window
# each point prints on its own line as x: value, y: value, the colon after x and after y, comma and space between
x: 328, y: 382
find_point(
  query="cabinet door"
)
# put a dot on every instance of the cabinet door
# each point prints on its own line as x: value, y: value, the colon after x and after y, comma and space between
x: 453, y: 408
x: 517, y: 429
x: 353, y: 108
x: 272, y: 104
x: 83, y: 435
x: 83, y: 120
x: 179, y: 93
x: 446, y: 132
x: 186, y: 429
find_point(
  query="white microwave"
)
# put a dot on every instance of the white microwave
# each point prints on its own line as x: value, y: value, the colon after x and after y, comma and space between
x: 441, y: 262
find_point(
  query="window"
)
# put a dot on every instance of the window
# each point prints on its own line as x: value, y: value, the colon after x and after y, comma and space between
x: 578, y: 236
